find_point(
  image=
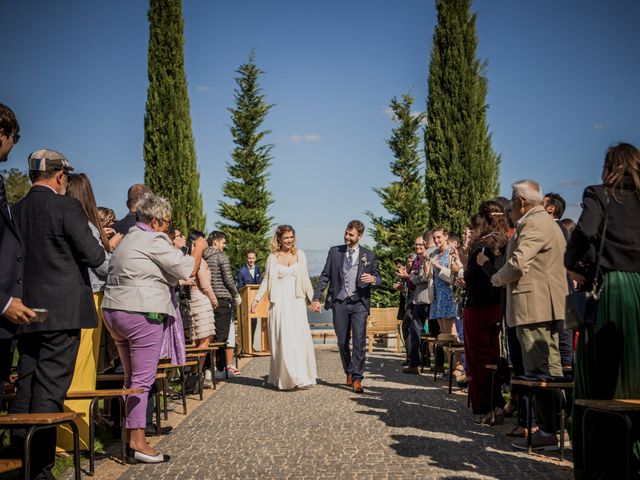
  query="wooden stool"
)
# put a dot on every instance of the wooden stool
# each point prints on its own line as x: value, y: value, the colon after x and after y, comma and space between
x: 41, y: 421
x: 211, y: 350
x: 453, y: 350
x: 110, y: 378
x: 542, y: 385
x: 94, y: 396
x: 164, y: 367
x: 617, y: 407
x: 198, y: 356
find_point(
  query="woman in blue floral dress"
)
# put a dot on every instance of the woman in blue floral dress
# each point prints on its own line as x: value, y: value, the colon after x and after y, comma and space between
x: 445, y: 270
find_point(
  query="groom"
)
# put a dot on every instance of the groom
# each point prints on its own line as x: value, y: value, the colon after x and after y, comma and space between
x: 350, y: 272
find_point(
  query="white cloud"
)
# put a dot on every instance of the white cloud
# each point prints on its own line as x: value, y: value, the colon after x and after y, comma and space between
x: 307, y: 137
x: 202, y: 88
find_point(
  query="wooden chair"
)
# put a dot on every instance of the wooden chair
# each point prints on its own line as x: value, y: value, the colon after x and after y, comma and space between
x: 620, y: 408
x: 382, y: 322
x: 544, y: 385
x: 41, y: 421
x: 95, y: 396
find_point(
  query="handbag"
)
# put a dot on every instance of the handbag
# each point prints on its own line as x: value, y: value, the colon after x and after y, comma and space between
x: 581, y: 308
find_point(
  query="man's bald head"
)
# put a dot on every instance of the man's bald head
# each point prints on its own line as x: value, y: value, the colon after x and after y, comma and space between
x: 135, y: 194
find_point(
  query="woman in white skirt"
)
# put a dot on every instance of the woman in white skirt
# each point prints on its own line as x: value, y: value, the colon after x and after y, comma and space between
x: 286, y: 280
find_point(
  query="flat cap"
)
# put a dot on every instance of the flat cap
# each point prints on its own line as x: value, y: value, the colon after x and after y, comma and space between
x: 48, y: 160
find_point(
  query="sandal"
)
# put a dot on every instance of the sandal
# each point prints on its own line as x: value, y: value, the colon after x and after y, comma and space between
x: 520, y: 432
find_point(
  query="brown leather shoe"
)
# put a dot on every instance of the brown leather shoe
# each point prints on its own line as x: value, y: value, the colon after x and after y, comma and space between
x: 357, y: 386
x: 349, y: 380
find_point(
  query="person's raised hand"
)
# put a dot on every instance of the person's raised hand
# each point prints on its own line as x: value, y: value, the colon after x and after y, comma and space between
x: 481, y: 259
x: 18, y: 312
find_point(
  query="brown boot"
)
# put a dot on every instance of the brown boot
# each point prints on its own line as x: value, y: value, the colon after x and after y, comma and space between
x: 357, y: 386
x: 349, y: 380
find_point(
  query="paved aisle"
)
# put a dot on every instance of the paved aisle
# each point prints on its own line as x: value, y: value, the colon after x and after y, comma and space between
x: 402, y: 427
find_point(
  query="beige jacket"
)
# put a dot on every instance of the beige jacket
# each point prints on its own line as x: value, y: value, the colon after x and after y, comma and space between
x: 534, y: 273
x: 303, y: 283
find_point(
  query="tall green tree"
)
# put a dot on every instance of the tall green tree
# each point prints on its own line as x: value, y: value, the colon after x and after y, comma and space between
x: 462, y: 167
x: 246, y: 220
x: 403, y: 198
x: 169, y: 151
x: 16, y: 183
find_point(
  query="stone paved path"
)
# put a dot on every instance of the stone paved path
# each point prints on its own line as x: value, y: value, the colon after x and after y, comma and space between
x: 404, y: 426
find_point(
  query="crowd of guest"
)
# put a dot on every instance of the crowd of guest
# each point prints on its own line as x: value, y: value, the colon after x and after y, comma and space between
x: 82, y: 292
x: 508, y: 283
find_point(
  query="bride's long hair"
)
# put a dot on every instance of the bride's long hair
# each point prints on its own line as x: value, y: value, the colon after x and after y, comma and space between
x: 276, y: 241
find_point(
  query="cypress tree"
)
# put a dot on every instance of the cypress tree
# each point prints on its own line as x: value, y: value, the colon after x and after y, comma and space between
x: 403, y: 198
x: 462, y: 167
x: 169, y: 150
x: 246, y: 221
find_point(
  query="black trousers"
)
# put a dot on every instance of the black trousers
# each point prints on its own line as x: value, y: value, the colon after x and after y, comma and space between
x: 45, y: 370
x: 420, y: 314
x: 222, y: 320
x: 350, y: 322
x: 406, y: 327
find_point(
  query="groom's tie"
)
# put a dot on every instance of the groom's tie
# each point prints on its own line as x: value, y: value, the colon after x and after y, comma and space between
x: 349, y: 261
x: 4, y: 204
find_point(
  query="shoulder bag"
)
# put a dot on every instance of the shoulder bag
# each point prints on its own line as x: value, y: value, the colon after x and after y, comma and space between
x: 581, y: 309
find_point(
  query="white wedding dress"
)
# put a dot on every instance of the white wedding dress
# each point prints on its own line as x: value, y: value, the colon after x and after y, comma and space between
x: 293, y: 360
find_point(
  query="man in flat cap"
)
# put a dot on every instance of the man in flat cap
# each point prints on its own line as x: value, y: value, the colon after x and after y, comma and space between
x: 59, y: 249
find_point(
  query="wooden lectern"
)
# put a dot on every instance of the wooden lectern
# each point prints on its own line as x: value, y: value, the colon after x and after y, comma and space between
x: 245, y: 333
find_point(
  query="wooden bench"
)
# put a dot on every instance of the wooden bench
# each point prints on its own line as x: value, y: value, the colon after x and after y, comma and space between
x: 110, y: 378
x: 41, y: 421
x: 95, y: 396
x: 544, y: 385
x: 617, y: 407
x: 382, y: 322
x: 10, y: 464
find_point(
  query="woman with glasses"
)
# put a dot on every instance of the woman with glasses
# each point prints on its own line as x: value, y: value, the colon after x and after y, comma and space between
x: 137, y: 304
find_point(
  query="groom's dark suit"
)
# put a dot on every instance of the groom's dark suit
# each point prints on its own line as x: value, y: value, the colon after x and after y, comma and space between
x: 349, y: 312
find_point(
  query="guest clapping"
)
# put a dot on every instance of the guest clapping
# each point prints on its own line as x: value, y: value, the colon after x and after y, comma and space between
x: 137, y: 300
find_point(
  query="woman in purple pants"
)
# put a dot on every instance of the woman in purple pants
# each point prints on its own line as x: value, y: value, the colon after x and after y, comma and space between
x: 137, y: 301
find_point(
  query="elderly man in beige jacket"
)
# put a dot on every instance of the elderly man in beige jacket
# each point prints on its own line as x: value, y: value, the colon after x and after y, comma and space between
x: 536, y: 283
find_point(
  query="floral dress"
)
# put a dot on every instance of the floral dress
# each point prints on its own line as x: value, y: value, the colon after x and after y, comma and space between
x: 443, y: 305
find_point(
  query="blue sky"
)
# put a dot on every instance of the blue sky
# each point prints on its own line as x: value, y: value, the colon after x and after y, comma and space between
x: 564, y: 85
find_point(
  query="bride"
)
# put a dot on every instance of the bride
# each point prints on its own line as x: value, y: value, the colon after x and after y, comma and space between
x: 286, y: 280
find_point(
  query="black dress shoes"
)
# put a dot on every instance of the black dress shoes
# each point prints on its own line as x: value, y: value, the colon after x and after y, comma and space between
x: 151, y: 430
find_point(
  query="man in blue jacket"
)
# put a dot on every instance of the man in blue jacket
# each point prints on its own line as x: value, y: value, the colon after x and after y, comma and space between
x: 249, y: 273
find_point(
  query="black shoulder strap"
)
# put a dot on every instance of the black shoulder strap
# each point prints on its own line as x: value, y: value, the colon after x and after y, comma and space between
x: 602, y: 236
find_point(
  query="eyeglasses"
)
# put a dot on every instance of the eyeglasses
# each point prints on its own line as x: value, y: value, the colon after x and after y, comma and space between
x: 419, y: 245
